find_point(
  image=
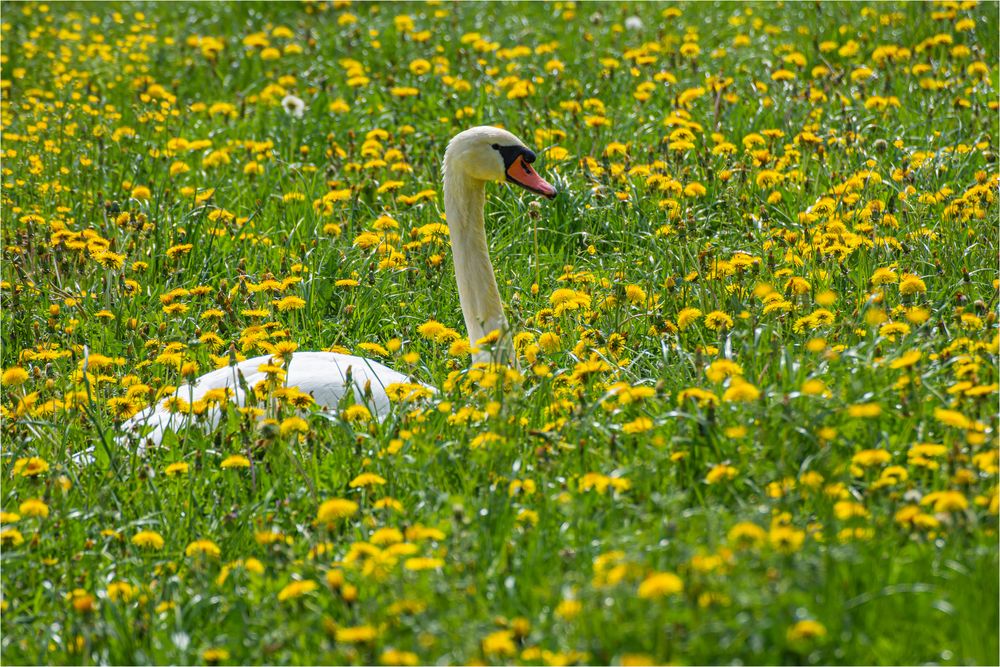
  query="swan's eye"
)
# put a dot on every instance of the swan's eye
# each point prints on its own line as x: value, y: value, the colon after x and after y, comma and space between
x: 496, y: 147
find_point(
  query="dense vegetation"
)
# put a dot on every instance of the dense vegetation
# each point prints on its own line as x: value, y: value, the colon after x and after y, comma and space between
x: 754, y: 418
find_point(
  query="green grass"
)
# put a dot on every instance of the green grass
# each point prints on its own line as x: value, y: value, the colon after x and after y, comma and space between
x: 846, y: 538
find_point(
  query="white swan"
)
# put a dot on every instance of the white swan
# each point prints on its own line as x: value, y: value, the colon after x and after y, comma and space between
x: 473, y: 157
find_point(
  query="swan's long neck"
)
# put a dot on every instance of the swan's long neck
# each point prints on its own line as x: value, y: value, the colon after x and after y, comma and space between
x: 464, y: 198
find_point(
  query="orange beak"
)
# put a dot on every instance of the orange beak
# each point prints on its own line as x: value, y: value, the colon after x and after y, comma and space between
x: 520, y: 172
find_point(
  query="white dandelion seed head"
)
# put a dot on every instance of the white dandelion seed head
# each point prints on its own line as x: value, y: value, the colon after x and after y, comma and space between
x: 633, y: 23
x: 294, y: 106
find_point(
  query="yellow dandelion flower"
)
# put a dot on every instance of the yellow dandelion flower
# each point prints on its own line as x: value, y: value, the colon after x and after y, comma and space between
x: 14, y: 376
x: 718, y: 320
x: 297, y: 589
x: 11, y: 537
x: 31, y: 467
x: 786, y: 539
x: 202, y: 548
x: 720, y: 369
x: 864, y: 410
x: 635, y: 295
x: 946, y: 501
x: 953, y: 418
x: 419, y: 564
x: 82, y: 601
x: 549, y: 342
x: 293, y: 424
x: 214, y: 656
x: 906, y: 360
x: 849, y: 509
x: 805, y: 630
x: 120, y: 591
x: 687, y: 317
x: 569, y: 299
x: 740, y: 391
x: 911, y: 284
x: 746, y: 534
x: 141, y: 192
x: 356, y: 413
x: 660, y: 584
x: 235, y: 461
x: 499, y: 643
x: 34, y: 507
x: 361, y: 634
x: 334, y: 509
x: 178, y: 468
x: 392, y: 656
x: 366, y: 479
x: 868, y: 458
x: 288, y: 303
x: 637, y: 425
x: 148, y: 539
x: 721, y: 473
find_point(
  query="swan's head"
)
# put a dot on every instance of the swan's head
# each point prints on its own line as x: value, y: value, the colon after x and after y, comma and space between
x: 490, y: 154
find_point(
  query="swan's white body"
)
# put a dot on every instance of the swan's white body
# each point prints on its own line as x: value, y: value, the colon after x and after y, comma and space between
x: 326, y: 376
x: 473, y: 157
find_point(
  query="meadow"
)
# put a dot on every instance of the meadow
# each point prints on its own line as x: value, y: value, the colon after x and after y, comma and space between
x: 754, y: 415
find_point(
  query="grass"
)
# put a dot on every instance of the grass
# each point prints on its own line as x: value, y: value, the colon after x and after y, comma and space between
x: 767, y: 435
